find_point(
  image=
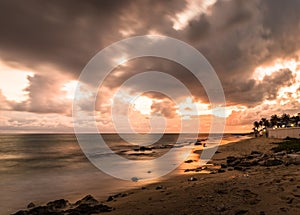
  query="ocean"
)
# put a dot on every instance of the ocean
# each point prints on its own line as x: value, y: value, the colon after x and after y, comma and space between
x: 43, y: 167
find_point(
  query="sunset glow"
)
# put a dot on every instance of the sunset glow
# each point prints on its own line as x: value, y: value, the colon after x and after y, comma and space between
x: 193, y: 10
x: 276, y: 66
x: 257, y: 62
x: 70, y: 89
x: 15, y: 91
x: 143, y: 105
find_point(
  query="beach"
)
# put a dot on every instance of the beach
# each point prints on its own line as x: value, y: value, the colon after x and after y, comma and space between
x: 268, y: 185
x: 258, y: 190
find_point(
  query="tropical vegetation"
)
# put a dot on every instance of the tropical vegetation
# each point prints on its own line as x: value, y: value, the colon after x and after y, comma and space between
x: 275, y: 121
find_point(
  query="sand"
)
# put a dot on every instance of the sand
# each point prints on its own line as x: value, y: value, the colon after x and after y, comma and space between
x: 257, y: 190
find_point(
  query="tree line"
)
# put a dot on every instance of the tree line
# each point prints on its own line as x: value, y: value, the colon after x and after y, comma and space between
x: 275, y: 121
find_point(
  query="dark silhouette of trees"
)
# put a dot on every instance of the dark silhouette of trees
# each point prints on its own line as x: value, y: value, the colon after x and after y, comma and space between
x: 285, y: 120
x: 275, y: 120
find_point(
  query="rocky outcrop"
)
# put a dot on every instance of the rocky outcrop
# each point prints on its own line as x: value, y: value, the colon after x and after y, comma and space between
x: 86, y: 206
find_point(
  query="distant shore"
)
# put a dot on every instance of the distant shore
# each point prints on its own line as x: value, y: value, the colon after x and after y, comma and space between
x: 246, y: 178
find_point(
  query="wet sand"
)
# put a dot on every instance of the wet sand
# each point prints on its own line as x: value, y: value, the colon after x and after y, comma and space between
x: 256, y: 190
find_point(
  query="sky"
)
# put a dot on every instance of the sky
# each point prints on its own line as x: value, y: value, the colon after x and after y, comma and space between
x: 253, y: 46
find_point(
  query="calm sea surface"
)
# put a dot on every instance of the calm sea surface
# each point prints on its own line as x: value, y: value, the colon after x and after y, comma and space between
x: 43, y: 167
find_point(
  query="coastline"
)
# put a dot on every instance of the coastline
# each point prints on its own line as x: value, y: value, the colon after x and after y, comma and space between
x: 258, y: 190
x: 254, y: 190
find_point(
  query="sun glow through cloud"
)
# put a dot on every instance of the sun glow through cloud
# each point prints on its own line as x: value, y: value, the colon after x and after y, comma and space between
x: 262, y: 71
x: 70, y: 89
x: 13, y: 83
x: 286, y: 92
x: 194, y: 9
x: 143, y: 105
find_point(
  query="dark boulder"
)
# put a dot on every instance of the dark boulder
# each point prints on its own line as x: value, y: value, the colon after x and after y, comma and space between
x: 188, y: 161
x: 273, y: 162
x: 31, y: 205
x: 57, y: 204
x: 90, y: 200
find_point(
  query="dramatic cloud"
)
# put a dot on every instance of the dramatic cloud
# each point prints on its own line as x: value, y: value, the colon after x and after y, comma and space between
x: 55, y: 40
x: 45, y: 95
x: 66, y: 34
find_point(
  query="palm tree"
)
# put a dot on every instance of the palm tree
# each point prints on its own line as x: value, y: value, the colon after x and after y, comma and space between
x: 266, y: 122
x: 274, y: 120
x: 255, y: 128
x: 256, y: 125
x: 285, y: 119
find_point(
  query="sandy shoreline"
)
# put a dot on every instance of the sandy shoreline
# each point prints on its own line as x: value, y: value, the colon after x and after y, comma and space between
x: 259, y: 190
x: 252, y: 190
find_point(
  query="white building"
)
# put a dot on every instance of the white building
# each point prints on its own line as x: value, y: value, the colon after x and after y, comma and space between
x: 281, y: 133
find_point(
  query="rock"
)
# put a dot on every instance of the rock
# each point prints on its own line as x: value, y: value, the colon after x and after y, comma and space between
x: 198, y: 143
x: 120, y: 195
x: 144, y: 148
x: 45, y: 210
x: 135, y: 179
x: 249, y: 157
x: 88, y: 209
x: 232, y: 161
x: 221, y: 208
x: 273, y: 162
x: 222, y: 191
x: 188, y: 161
x: 192, y: 179
x: 159, y: 187
x: 58, y: 204
x: 245, y: 163
x: 189, y: 170
x: 256, y: 153
x: 239, y: 168
x: 21, y: 212
x: 254, y: 162
x: 280, y: 153
x: 124, y: 194
x: 265, y: 155
x: 292, y: 159
x: 86, y: 206
x: 90, y: 200
x: 240, y: 212
x: 41, y: 210
x: 110, y: 198
x: 31, y: 205
x: 223, y: 166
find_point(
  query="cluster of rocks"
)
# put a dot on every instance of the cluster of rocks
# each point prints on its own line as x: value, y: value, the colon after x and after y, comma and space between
x: 261, y: 159
x: 200, y: 142
x: 114, y: 197
x: 86, y: 206
x: 143, y: 148
x: 246, y: 162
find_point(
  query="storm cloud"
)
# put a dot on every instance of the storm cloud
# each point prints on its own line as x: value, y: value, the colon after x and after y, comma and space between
x: 57, y: 38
